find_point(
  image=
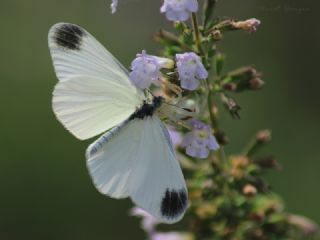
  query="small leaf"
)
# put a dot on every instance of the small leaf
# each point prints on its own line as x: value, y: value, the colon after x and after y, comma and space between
x: 219, y: 60
x: 187, y: 38
x: 208, y: 10
x: 211, y: 52
x: 276, y: 218
x: 181, y: 27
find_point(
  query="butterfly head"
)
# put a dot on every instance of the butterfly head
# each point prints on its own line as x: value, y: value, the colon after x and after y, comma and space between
x: 157, y: 102
x: 148, y: 109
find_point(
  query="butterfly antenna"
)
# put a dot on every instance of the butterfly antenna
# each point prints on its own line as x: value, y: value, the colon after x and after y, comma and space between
x: 173, y: 105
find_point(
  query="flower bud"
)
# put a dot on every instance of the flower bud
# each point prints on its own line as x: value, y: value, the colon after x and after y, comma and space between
x: 249, y: 25
x: 257, y: 217
x: 268, y: 163
x: 230, y: 87
x: 217, y: 35
x: 264, y: 136
x: 240, y: 161
x: 249, y: 190
x: 207, y: 184
x: 221, y: 137
x: 246, y: 78
x: 238, y: 166
x: 195, y: 194
x: 206, y: 210
x: 306, y: 225
x: 260, y: 140
x: 256, y: 83
x: 231, y: 106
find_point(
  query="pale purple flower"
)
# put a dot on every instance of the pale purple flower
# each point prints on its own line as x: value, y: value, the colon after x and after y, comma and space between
x: 191, y: 70
x: 179, y: 10
x: 146, y: 69
x: 168, y: 236
x: 175, y: 136
x: 114, y: 6
x: 200, y: 140
x: 148, y: 221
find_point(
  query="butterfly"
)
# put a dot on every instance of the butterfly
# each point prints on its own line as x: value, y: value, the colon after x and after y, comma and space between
x: 135, y: 156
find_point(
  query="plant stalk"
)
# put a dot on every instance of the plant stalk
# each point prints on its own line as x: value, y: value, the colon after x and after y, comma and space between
x: 197, y: 35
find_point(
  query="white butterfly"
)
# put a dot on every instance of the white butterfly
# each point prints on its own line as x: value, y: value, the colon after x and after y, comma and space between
x: 94, y: 94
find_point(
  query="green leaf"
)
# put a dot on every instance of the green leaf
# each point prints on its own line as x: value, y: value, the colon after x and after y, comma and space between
x: 276, y: 218
x: 219, y: 62
x: 208, y: 10
x: 181, y: 27
x: 187, y: 38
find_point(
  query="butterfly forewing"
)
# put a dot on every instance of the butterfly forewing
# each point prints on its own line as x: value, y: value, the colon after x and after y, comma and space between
x: 94, y: 93
x: 88, y: 106
x: 76, y: 52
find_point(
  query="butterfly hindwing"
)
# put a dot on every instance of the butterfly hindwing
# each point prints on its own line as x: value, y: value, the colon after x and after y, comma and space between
x: 137, y: 160
x: 158, y: 184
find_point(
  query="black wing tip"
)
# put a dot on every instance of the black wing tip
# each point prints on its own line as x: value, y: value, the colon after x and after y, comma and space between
x: 68, y: 36
x: 174, y: 203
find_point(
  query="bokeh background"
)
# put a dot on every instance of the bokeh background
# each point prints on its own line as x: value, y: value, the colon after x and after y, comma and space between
x: 46, y: 192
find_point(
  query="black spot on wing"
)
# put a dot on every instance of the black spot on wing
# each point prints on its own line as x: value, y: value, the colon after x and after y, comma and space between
x: 69, y: 36
x: 174, y: 203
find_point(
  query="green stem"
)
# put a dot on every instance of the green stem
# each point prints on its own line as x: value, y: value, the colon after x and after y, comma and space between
x: 197, y: 33
x: 213, y: 119
x: 222, y: 157
x: 168, y: 38
x: 214, y: 124
x: 249, y: 148
x: 253, y: 146
x: 197, y: 37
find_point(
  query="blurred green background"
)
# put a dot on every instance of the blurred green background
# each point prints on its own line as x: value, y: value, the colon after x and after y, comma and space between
x: 45, y: 189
